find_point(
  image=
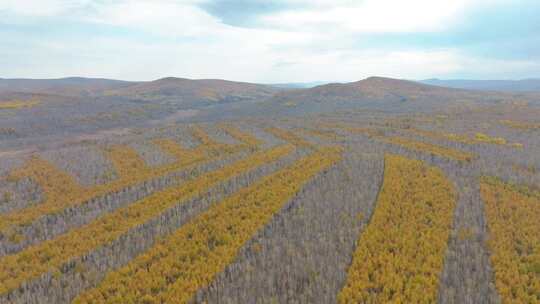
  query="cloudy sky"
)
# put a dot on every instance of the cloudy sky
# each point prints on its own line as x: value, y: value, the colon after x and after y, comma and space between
x: 270, y: 41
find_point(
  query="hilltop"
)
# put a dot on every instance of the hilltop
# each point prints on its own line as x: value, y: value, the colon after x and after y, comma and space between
x: 189, y: 91
x: 369, y: 89
x: 181, y: 90
x: 70, y: 86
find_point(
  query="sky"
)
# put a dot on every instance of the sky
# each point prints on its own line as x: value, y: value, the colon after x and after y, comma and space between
x: 270, y: 41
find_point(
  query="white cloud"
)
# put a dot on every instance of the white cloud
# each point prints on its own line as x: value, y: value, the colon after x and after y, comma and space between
x: 375, y: 16
x: 321, y: 40
x: 347, y: 66
x: 168, y: 18
x: 40, y: 8
x: 134, y: 60
x: 185, y: 18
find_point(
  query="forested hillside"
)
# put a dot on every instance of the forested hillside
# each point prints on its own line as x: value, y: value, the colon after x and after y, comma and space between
x: 381, y: 202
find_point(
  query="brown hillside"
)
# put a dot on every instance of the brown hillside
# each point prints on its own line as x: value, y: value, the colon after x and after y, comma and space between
x: 73, y: 86
x: 373, y: 88
x: 188, y: 90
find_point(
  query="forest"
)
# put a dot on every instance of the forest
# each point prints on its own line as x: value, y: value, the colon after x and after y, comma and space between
x: 363, y: 205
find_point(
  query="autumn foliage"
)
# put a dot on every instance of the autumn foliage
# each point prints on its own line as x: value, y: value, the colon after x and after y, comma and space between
x: 269, y: 210
x: 18, y: 104
x: 126, y: 161
x: 63, y: 192
x: 513, y: 221
x: 49, y: 255
x: 177, y: 267
x: 242, y: 137
x: 400, y: 254
x: 290, y: 137
x: 429, y: 148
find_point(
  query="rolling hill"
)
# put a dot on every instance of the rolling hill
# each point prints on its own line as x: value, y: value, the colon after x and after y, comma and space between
x: 71, y: 86
x: 384, y: 94
x: 194, y: 92
x: 82, y: 105
x: 524, y: 85
x: 187, y: 92
x: 370, y: 89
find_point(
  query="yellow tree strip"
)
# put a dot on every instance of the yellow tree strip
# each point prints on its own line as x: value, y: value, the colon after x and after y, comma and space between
x: 126, y: 161
x: 329, y: 135
x: 131, y: 172
x: 181, y: 154
x: 289, y: 137
x: 520, y: 125
x: 17, y: 104
x: 514, y: 227
x: 54, y: 183
x: 479, y: 138
x: 51, y: 255
x: 412, y: 144
x: 203, y: 137
x: 211, y: 145
x: 430, y: 148
x: 243, y: 137
x: 173, y: 270
x: 400, y: 254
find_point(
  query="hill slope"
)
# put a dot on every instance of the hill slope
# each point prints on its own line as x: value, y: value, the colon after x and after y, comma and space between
x: 370, y: 89
x: 72, y: 86
x: 194, y: 92
x: 525, y: 85
x: 379, y: 93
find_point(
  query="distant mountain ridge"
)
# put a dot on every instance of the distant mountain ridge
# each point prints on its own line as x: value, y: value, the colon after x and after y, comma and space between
x: 524, y: 85
x: 217, y: 90
x: 70, y: 86
x: 369, y: 89
x: 181, y: 90
x: 77, y: 105
x: 200, y: 90
x: 218, y: 97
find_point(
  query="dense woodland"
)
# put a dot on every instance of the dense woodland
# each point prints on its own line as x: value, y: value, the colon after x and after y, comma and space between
x: 346, y: 206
